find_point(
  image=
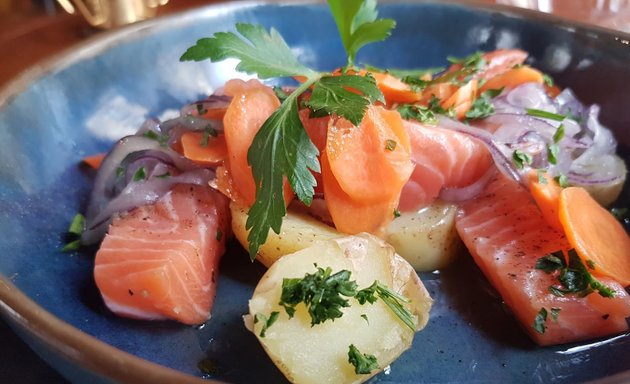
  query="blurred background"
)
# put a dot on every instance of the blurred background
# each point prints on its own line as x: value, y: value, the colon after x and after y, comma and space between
x: 31, y: 30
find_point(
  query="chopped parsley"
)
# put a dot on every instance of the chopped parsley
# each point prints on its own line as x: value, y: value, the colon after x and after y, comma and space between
x: 541, y: 176
x: 140, y: 174
x: 321, y: 292
x: 74, y: 232
x: 574, y: 277
x: 417, y: 112
x: 521, y: 159
x: 219, y: 235
x: 266, y: 322
x: 553, y: 151
x: 548, y: 80
x: 160, y: 138
x: 416, y: 83
x: 482, y: 106
x: 541, y: 318
x: 201, y: 110
x: 363, y: 363
x: 207, y: 132
x: 396, y: 213
x: 562, y: 180
x: 324, y: 294
x: 390, y: 145
x: 539, y: 321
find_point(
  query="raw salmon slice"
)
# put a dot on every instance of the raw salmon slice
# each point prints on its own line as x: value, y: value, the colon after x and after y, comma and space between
x: 506, y: 234
x: 443, y: 159
x: 161, y: 261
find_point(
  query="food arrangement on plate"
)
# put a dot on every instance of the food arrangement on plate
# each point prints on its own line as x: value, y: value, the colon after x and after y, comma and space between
x: 317, y: 180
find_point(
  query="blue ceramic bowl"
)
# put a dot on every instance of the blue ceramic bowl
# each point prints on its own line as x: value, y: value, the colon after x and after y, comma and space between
x: 79, y: 103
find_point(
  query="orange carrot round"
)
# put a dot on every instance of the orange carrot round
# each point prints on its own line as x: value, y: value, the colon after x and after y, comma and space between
x: 371, y: 162
x: 513, y: 78
x: 251, y: 105
x: 205, y: 151
x: 547, y: 198
x: 598, y: 238
x: 351, y: 216
x: 462, y: 99
x: 394, y: 90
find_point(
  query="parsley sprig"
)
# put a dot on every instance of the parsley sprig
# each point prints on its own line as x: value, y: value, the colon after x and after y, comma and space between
x: 282, y: 147
x: 362, y: 362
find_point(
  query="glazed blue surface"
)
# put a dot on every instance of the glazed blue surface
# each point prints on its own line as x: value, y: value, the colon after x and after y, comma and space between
x: 80, y: 110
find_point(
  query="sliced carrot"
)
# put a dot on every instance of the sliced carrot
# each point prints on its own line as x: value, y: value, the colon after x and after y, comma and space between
x: 547, y: 198
x: 552, y: 90
x: 251, y: 105
x: 500, y: 61
x: 395, y: 90
x: 513, y: 78
x: 316, y: 128
x: 371, y: 162
x: 94, y: 161
x: 462, y: 99
x: 349, y: 215
x: 205, y: 151
x: 441, y: 91
x: 598, y: 238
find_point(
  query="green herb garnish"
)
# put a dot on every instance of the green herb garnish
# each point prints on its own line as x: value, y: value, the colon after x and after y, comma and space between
x: 363, y: 363
x: 545, y: 114
x: 417, y: 112
x: 539, y: 321
x: 562, y: 180
x: 548, y: 80
x: 555, y: 311
x: 553, y: 151
x: 140, y: 174
x: 266, y: 322
x: 521, y: 159
x: 482, y: 106
x: 282, y: 147
x: 358, y: 24
x: 574, y: 277
x: 322, y: 292
x: 396, y: 213
x: 207, y: 132
x: 324, y: 295
x: 280, y: 94
x: 390, y: 145
x: 74, y: 233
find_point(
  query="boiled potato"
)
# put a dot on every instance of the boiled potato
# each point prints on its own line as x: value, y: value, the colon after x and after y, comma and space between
x: 427, y: 239
x: 298, y: 232
x: 319, y: 353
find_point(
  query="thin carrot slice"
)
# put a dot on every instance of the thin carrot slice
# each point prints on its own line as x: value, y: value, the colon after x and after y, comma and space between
x: 394, y: 90
x: 349, y: 215
x: 500, y: 61
x: 513, y: 78
x: 598, y: 238
x: 462, y: 99
x: 94, y: 161
x: 371, y: 162
x: 206, y: 151
x: 547, y: 197
x: 251, y: 105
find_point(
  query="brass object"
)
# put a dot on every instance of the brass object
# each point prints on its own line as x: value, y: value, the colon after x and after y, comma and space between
x: 108, y: 14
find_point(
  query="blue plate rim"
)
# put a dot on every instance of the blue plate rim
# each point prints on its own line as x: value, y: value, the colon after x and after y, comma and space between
x: 95, y: 355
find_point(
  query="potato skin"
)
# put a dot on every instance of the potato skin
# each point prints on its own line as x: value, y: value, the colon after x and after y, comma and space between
x: 319, y: 354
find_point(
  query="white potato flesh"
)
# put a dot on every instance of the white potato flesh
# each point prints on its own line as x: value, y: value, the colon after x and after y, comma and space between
x: 299, y: 231
x: 319, y: 354
x: 427, y: 239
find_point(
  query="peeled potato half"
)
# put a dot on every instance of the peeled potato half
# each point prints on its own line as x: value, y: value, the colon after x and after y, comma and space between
x: 319, y: 353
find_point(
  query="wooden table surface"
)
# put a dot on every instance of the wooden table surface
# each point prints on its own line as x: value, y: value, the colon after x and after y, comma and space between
x: 31, y: 31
